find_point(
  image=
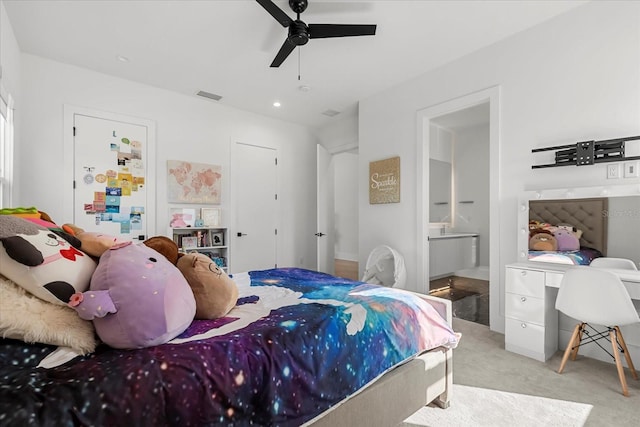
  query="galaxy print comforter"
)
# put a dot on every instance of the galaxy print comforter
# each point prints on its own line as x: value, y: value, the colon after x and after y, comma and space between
x: 297, y: 343
x: 583, y: 256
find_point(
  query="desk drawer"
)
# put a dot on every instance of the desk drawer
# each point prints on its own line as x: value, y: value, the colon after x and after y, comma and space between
x: 525, y: 282
x: 524, y: 335
x: 524, y: 308
x: 553, y: 279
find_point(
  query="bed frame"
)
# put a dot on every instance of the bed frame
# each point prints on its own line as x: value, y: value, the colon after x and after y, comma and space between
x: 389, y: 400
x: 588, y: 215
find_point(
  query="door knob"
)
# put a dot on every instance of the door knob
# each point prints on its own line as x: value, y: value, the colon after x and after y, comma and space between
x: 241, y: 234
x: 320, y: 234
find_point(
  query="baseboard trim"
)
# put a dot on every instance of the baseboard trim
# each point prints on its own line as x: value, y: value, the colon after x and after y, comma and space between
x: 346, y: 256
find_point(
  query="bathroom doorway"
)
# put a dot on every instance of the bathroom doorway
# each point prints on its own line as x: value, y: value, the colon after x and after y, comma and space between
x: 459, y: 210
x: 459, y: 207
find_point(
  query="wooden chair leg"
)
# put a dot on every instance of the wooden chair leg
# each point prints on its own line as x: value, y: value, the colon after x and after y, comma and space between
x: 576, y: 347
x: 616, y: 356
x: 568, y: 350
x: 627, y: 356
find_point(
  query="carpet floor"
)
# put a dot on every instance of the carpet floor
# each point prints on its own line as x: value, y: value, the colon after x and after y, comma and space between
x: 480, y: 360
x: 483, y: 407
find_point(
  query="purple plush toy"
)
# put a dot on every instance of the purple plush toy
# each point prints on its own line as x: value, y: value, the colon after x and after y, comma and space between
x: 136, y: 298
x: 567, y: 241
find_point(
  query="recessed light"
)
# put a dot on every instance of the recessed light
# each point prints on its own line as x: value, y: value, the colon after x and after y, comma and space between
x: 276, y: 104
x: 122, y: 58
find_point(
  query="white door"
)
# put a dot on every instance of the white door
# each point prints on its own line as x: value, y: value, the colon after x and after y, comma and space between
x: 110, y: 176
x: 254, y: 239
x: 325, y: 231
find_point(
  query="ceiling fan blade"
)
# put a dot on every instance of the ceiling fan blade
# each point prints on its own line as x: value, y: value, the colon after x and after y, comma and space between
x: 276, y: 12
x: 285, y: 50
x: 320, y: 31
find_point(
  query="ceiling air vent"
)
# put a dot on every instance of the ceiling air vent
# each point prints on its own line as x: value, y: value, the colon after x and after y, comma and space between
x: 209, y: 95
x: 331, y: 113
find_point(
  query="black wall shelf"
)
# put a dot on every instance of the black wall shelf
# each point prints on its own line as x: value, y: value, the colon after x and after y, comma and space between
x: 588, y: 152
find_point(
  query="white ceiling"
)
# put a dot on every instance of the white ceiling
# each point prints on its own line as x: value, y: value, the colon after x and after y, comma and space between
x: 226, y: 47
x: 467, y: 117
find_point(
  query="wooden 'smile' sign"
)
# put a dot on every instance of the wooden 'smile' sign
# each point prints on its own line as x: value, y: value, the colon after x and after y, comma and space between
x: 384, y: 181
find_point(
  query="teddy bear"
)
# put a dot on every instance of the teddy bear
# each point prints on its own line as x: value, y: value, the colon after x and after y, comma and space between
x: 215, y: 293
x: 137, y: 298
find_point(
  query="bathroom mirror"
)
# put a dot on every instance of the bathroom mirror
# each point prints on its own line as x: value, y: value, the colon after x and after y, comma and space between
x: 439, y: 191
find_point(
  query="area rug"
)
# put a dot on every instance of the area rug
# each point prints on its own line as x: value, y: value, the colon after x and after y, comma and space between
x: 473, y: 406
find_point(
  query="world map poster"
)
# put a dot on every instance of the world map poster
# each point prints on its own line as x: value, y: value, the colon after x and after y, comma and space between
x: 189, y: 182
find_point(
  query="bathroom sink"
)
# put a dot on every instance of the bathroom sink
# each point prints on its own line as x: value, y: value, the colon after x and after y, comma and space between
x: 452, y: 235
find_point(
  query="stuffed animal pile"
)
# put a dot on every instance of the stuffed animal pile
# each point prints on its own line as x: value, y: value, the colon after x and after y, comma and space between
x: 546, y: 237
x: 134, y: 294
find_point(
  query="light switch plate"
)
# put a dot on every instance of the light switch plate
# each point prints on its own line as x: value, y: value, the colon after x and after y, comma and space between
x: 631, y: 169
x: 613, y: 171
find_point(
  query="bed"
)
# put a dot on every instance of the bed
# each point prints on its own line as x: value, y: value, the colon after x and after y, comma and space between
x: 587, y: 215
x: 299, y: 348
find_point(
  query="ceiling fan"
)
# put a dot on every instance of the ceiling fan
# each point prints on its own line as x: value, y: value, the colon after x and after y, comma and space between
x: 300, y: 33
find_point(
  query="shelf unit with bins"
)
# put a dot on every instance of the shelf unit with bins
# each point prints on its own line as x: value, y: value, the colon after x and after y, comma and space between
x: 211, y: 241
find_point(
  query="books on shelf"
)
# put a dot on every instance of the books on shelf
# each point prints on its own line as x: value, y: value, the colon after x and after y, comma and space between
x: 208, y: 241
x: 198, y: 238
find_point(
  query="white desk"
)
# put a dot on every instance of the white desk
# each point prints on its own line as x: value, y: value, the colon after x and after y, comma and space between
x: 531, y: 319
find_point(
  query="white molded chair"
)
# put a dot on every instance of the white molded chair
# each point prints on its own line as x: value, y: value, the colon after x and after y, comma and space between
x: 594, y: 296
x: 606, y: 262
x: 385, y: 266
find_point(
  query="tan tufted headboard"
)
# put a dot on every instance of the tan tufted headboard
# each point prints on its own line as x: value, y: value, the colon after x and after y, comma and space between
x: 588, y: 215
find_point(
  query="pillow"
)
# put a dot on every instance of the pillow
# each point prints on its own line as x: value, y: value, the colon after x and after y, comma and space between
x: 137, y: 298
x: 21, y: 212
x: 567, y: 241
x: 27, y: 318
x: 165, y: 246
x: 41, y: 261
x: 92, y: 243
x: 543, y: 242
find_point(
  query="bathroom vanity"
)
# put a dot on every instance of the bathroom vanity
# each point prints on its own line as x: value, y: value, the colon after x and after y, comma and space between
x: 450, y: 252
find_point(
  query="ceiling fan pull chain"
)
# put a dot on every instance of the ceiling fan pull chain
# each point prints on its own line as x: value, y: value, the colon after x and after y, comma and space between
x: 298, y: 63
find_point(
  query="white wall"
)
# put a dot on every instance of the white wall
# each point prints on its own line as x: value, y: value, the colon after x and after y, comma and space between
x: 573, y: 78
x: 9, y: 56
x: 187, y: 128
x: 340, y: 134
x: 9, y: 86
x: 624, y: 228
x: 471, y: 171
x: 338, y: 137
x: 346, y: 205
